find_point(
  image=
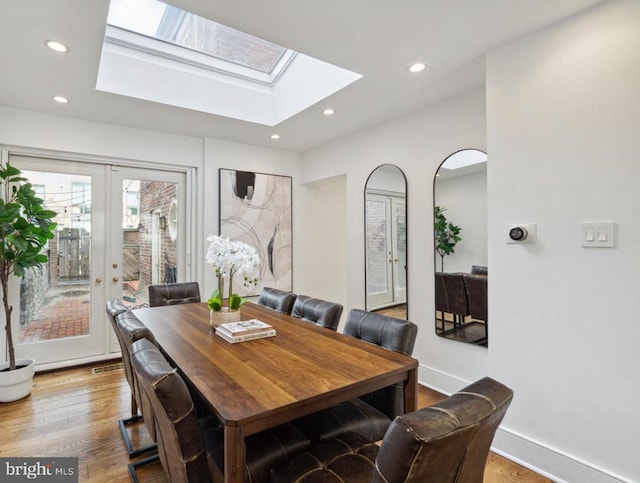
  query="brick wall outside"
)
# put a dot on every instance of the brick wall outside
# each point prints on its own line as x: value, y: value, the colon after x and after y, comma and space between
x: 155, y: 196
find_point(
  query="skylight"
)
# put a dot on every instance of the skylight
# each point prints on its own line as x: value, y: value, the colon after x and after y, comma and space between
x: 156, y: 52
x: 166, y: 23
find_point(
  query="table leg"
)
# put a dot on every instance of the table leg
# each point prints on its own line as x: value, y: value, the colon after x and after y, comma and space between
x: 411, y: 392
x: 234, y: 454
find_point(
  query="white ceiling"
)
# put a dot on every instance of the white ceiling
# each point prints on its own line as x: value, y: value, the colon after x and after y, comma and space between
x: 376, y: 38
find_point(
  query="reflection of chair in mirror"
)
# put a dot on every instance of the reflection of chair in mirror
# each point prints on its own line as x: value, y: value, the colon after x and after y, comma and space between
x: 456, y: 296
x: 476, y: 286
x: 479, y: 269
x: 441, y: 299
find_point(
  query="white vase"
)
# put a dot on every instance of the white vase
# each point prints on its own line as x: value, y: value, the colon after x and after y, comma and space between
x: 223, y: 316
x: 16, y: 384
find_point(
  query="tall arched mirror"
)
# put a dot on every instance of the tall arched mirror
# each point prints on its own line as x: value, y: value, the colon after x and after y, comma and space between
x: 386, y: 241
x: 460, y: 241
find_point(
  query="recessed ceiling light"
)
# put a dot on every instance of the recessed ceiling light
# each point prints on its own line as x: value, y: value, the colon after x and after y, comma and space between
x: 417, y: 67
x: 57, y: 46
x: 275, y: 136
x: 61, y: 99
x: 328, y: 112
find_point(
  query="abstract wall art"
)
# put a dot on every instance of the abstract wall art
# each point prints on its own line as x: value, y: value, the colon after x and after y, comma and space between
x: 256, y: 209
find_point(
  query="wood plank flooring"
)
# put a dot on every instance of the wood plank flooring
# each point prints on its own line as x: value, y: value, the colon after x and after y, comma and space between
x: 73, y: 412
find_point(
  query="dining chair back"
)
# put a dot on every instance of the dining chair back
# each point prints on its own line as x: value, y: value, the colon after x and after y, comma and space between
x: 369, y: 415
x: 128, y: 328
x: 114, y: 308
x: 395, y: 334
x: 441, y: 303
x: 456, y: 296
x: 278, y: 300
x: 174, y: 293
x: 180, y: 444
x: 476, y: 287
x: 448, y: 442
x: 320, y: 312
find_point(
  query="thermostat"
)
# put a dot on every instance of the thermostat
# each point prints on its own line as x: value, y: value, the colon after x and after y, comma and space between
x: 521, y: 233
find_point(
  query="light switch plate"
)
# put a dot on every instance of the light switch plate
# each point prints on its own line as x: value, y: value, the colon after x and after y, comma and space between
x: 597, y: 234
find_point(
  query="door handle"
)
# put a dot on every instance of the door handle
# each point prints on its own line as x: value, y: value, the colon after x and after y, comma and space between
x: 98, y: 280
x: 115, y: 279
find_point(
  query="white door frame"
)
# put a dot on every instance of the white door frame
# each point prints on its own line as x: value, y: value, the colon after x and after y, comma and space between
x: 75, y: 164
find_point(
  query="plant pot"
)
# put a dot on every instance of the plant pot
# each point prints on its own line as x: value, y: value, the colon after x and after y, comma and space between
x: 16, y: 384
x: 223, y: 316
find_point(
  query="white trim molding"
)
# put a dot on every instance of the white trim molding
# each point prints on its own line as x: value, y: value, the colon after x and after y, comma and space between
x: 534, y: 455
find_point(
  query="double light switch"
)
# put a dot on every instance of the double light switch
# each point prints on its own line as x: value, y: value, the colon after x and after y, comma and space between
x: 597, y: 234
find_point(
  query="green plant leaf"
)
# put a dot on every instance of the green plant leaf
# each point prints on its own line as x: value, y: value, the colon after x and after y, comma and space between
x: 235, y: 301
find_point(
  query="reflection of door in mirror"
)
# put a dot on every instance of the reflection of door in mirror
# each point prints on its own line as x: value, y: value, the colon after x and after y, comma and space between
x: 460, y: 189
x: 386, y: 241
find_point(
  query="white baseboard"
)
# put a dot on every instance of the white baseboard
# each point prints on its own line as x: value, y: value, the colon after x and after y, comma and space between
x: 534, y: 455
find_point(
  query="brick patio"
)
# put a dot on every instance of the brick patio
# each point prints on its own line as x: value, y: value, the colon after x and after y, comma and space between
x: 64, y: 313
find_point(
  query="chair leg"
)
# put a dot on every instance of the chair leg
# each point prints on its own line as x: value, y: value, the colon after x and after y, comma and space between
x: 123, y: 423
x: 140, y: 464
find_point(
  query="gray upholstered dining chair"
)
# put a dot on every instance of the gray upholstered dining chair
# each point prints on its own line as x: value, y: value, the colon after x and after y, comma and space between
x: 476, y: 287
x: 456, y: 294
x: 174, y: 293
x: 320, y: 312
x: 371, y: 414
x: 277, y: 299
x: 190, y: 448
x: 448, y: 442
x: 128, y: 329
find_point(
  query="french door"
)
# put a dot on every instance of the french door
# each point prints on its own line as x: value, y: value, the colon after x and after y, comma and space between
x: 386, y: 252
x: 111, y: 231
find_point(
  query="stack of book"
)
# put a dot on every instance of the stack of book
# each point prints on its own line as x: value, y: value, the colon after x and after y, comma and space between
x: 245, y: 330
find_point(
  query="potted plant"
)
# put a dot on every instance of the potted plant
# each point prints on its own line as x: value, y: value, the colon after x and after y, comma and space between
x: 25, y: 229
x: 229, y: 259
x: 446, y: 234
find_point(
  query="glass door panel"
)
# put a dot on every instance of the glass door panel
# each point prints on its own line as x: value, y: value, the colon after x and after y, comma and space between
x: 379, y: 251
x: 399, y: 240
x: 149, y: 249
x: 148, y: 233
x: 62, y: 307
x: 62, y: 304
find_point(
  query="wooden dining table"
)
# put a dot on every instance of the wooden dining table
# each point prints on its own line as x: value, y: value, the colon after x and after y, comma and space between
x: 255, y: 385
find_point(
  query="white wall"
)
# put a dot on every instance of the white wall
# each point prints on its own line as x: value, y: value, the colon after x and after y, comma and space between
x: 465, y: 199
x: 417, y: 144
x: 563, y: 110
x: 323, y: 226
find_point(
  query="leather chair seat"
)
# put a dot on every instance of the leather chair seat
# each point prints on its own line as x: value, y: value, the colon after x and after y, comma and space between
x: 349, y: 458
x: 355, y: 416
x: 448, y: 442
x: 265, y: 450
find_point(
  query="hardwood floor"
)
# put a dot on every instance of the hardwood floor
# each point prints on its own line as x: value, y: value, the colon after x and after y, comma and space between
x: 397, y: 311
x: 74, y: 412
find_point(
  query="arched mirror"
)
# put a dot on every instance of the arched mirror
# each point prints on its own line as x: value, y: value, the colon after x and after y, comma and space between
x: 460, y: 242
x: 386, y: 241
